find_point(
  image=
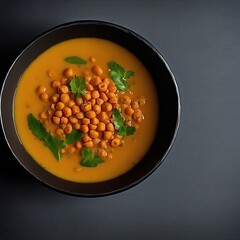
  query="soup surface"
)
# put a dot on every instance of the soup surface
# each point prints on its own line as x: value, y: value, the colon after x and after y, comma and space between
x: 86, y: 110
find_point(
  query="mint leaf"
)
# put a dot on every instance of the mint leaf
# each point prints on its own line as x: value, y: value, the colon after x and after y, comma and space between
x: 53, y: 143
x: 89, y: 159
x: 75, y: 60
x: 119, y: 75
x: 77, y: 86
x: 119, y: 124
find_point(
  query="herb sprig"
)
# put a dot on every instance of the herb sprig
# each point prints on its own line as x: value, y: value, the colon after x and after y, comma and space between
x: 119, y: 124
x: 53, y: 143
x: 78, y: 86
x: 89, y: 159
x: 75, y: 60
x: 119, y: 75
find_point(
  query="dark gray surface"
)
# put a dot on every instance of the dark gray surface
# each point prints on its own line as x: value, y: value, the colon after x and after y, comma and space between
x: 195, y: 194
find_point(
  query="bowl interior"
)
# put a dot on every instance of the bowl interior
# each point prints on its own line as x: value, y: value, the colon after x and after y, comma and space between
x: 168, y: 95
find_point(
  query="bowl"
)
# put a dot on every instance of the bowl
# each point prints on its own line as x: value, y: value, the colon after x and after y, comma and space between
x: 165, y: 84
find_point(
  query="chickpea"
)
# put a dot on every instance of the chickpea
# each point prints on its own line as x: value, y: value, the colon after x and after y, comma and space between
x: 107, y: 107
x: 79, y: 101
x: 88, y: 78
x: 88, y: 144
x: 115, y: 142
x: 100, y: 101
x: 96, y: 109
x: 97, y: 70
x: 64, y: 98
x: 86, y: 138
x: 64, y: 120
x: 41, y: 89
x: 84, y: 128
x: 96, y: 81
x: 75, y: 109
x: 102, y: 87
x: 142, y: 101
x: 73, y: 119
x: 55, y: 83
x: 80, y: 115
x: 85, y: 107
x: 95, y: 94
x: 43, y: 115
x: 106, y: 80
x: 92, y: 126
x: 129, y: 111
x: 96, y: 141
x: 85, y: 121
x: 125, y: 99
x: 89, y: 87
x: 56, y: 120
x: 113, y: 100
x: 60, y: 106
x: 103, y: 144
x: 110, y: 127
x: 64, y: 81
x: 101, y: 127
x: 93, y: 134
x: 68, y: 129
x: 63, y: 89
x: 70, y: 149
x: 103, y: 96
x: 92, y: 59
x: 44, y: 97
x: 55, y: 97
x: 93, y: 101
x: 58, y: 113
x: 67, y: 111
x: 76, y: 126
x: 102, y: 153
x: 102, y: 116
x: 86, y: 96
x: 139, y: 119
x: 78, y: 144
x: 68, y: 73
x: 107, y: 135
x: 111, y: 95
x: 135, y: 105
x: 137, y: 113
x: 94, y: 121
x: 112, y: 88
x: 59, y: 131
x: 90, y: 114
x: 71, y: 103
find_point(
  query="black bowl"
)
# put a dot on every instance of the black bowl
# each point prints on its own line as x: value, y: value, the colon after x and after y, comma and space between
x: 168, y: 95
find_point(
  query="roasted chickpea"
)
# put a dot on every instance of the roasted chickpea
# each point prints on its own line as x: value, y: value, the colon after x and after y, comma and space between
x: 80, y: 115
x: 79, y: 101
x: 94, y: 121
x: 67, y: 111
x: 87, y: 106
x: 101, y: 127
x: 56, y: 120
x: 64, y: 98
x: 70, y: 149
x: 90, y: 114
x: 84, y: 128
x: 102, y: 116
x: 95, y: 94
x: 93, y: 134
x: 103, y: 144
x: 129, y: 111
x: 76, y: 126
x: 78, y: 144
x: 115, y: 142
x: 44, y: 97
x: 68, y: 129
x: 60, y: 106
x: 89, y: 88
x: 103, y: 96
x: 96, y: 81
x: 58, y: 113
x: 75, y: 109
x: 55, y: 83
x: 96, y: 109
x: 102, y: 87
x: 59, y: 131
x: 110, y: 127
x: 88, y: 144
x: 102, y: 153
x: 86, y: 138
x: 71, y: 103
x: 107, y: 135
x: 85, y: 121
x: 100, y: 101
x: 54, y: 98
x: 68, y: 73
x: 64, y: 120
x: 97, y: 70
x: 63, y: 89
x: 107, y: 107
x: 41, y: 89
x: 43, y: 115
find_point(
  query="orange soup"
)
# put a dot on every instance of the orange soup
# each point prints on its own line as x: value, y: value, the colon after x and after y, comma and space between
x: 86, y: 110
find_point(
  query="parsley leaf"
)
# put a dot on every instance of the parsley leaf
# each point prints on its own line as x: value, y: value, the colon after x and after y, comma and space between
x: 89, y: 159
x: 119, y: 75
x: 78, y: 85
x: 75, y: 60
x: 119, y: 124
x: 53, y: 143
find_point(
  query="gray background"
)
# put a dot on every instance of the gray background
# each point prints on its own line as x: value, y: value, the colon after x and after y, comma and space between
x: 195, y: 193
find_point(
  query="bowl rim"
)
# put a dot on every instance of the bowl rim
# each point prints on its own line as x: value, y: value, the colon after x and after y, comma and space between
x: 139, y: 38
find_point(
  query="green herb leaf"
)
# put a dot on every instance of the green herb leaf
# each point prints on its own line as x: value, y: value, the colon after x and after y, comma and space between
x: 89, y: 159
x: 74, y: 136
x: 75, y: 60
x: 53, y: 143
x: 119, y: 124
x: 119, y: 75
x: 78, y: 86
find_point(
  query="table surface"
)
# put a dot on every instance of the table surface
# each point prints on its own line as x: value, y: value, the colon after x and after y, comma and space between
x: 195, y: 193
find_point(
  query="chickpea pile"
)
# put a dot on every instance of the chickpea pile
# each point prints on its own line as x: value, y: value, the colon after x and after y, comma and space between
x: 91, y: 113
